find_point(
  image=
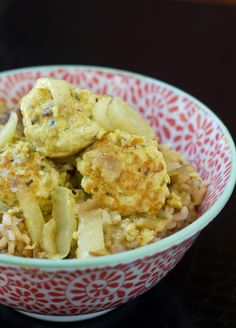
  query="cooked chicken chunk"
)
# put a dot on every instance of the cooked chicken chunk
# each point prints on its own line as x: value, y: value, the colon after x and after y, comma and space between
x: 20, y: 164
x: 57, y: 118
x: 126, y: 173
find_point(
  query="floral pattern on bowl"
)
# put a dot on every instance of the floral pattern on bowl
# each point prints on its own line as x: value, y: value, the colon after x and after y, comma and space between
x: 71, y: 287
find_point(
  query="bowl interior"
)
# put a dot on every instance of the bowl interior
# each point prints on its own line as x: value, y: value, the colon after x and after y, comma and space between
x: 177, y: 118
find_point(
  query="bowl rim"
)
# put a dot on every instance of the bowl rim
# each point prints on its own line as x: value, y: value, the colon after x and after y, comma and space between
x: 158, y: 246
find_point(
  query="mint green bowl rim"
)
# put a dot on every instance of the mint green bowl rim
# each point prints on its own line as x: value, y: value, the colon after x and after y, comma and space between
x: 158, y: 246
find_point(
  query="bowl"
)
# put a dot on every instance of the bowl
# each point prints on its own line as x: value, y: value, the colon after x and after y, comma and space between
x: 67, y: 290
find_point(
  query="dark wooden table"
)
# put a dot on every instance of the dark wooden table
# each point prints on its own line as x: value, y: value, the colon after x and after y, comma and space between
x: 192, y: 46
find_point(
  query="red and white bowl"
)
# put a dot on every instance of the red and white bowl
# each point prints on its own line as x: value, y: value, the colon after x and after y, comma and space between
x: 66, y: 290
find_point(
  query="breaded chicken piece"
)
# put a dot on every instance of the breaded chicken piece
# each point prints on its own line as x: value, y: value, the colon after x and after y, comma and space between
x: 126, y: 173
x: 57, y: 118
x: 20, y: 164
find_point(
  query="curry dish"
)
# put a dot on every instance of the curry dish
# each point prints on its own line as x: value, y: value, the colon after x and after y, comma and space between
x: 83, y: 175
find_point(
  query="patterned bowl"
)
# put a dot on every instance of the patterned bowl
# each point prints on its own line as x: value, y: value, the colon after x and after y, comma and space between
x: 66, y: 290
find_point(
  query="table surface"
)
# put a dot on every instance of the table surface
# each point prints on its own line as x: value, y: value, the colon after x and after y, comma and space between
x: 192, y: 46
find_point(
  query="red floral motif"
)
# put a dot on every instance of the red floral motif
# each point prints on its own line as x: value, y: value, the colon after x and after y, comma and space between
x: 36, y: 275
x: 76, y: 77
x: 145, y: 282
x: 3, y: 280
x: 196, y: 134
x: 155, y: 102
x: 125, y: 87
x: 14, y: 86
x: 164, y: 260
x: 26, y: 298
x: 4, y: 286
x: 88, y: 290
x: 178, y: 120
x: 101, y: 286
x: 209, y: 199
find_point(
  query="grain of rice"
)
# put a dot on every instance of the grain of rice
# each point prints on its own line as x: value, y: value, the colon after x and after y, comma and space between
x: 6, y: 219
x: 11, y: 235
x: 14, y: 236
x: 122, y: 233
x: 11, y: 247
x: 3, y: 242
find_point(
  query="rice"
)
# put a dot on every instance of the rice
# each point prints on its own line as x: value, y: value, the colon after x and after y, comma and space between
x: 122, y: 233
x: 181, y: 208
x: 14, y: 237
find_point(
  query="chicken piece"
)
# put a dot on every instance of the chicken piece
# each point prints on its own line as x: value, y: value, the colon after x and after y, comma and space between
x: 20, y: 164
x: 125, y: 173
x: 58, y: 118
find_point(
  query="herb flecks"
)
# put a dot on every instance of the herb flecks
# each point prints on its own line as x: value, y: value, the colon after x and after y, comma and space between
x: 51, y: 123
x: 29, y: 182
x: 146, y: 171
x: 47, y: 112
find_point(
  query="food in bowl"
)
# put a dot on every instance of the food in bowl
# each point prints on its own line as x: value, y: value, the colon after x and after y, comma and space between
x: 83, y: 175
